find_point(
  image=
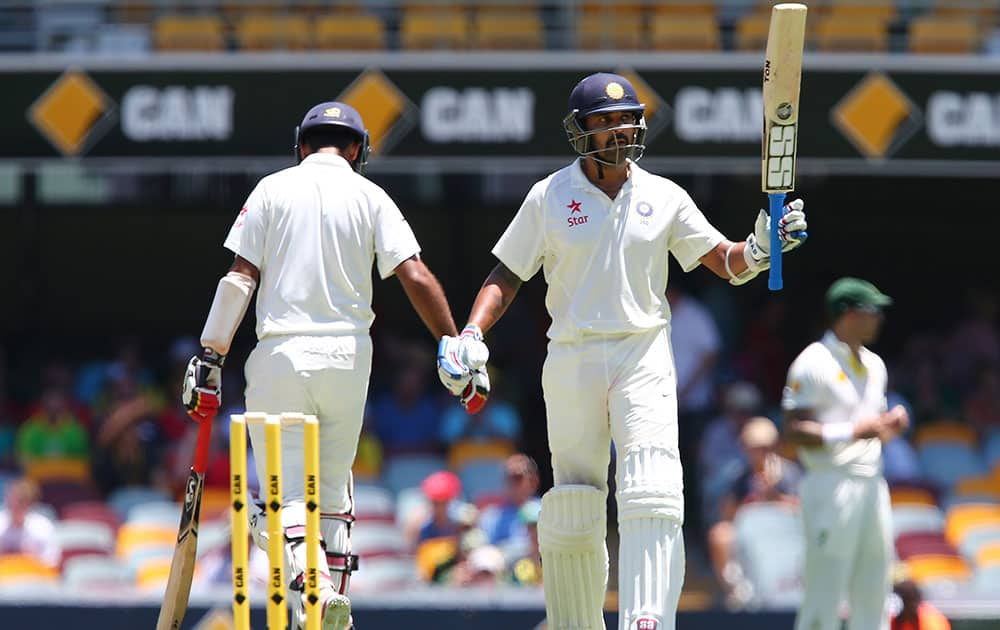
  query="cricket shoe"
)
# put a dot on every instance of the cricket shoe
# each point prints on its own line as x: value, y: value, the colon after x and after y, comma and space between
x: 337, y: 613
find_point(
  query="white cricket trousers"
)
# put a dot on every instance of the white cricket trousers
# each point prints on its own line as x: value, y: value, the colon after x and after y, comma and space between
x: 623, y: 388
x: 322, y: 375
x: 849, y: 551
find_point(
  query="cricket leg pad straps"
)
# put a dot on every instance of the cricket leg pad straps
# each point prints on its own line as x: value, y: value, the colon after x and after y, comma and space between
x: 572, y: 528
x: 336, y: 532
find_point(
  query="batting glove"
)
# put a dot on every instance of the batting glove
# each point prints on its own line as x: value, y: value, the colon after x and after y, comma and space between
x: 791, y: 231
x: 477, y: 392
x: 472, y: 349
x: 201, y: 391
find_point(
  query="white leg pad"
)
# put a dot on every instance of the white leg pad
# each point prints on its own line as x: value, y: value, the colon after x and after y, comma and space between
x: 651, y: 547
x: 572, y: 528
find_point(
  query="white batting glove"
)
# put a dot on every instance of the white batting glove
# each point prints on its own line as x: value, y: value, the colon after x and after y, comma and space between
x: 791, y: 231
x: 458, y: 357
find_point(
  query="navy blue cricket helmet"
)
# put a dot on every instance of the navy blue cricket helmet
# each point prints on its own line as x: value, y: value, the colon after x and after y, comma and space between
x: 597, y: 94
x: 333, y: 113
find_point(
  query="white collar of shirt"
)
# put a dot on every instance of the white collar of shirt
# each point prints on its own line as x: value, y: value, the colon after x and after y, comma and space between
x: 577, y: 178
x: 840, y: 349
x: 327, y: 159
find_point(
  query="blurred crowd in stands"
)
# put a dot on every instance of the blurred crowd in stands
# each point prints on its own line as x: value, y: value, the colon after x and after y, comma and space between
x: 93, y: 459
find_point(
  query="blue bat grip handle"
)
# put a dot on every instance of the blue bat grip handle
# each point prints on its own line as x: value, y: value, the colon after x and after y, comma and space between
x: 777, y: 204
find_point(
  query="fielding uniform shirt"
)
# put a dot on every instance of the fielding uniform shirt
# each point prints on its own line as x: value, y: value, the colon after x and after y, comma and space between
x: 313, y: 231
x: 827, y: 378
x: 605, y: 261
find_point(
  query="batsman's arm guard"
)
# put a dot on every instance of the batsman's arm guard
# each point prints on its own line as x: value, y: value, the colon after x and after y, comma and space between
x: 228, y: 308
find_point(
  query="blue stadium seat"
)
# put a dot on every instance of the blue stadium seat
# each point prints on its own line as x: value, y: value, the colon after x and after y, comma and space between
x: 123, y: 499
x: 916, y: 518
x: 944, y: 463
x: 481, y: 477
x: 406, y: 471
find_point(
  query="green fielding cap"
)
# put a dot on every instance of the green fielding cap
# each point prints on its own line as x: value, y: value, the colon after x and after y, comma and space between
x: 853, y: 292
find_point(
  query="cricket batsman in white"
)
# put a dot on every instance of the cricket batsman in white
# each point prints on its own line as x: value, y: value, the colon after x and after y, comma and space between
x: 601, y: 230
x: 835, y: 410
x: 307, y: 240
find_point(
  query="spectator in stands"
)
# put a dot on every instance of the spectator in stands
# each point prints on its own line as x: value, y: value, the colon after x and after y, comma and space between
x: 24, y: 531
x: 913, y: 612
x: 766, y: 477
x: 125, y: 438
x: 407, y: 418
x: 975, y: 339
x: 498, y: 420
x: 502, y: 521
x: 764, y: 355
x: 440, y: 488
x: 527, y: 569
x: 8, y: 419
x: 52, y: 432
x: 696, y: 344
x: 981, y: 406
x: 720, y: 448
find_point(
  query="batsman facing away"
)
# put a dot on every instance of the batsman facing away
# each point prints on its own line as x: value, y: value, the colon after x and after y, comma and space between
x: 306, y: 240
x: 601, y: 229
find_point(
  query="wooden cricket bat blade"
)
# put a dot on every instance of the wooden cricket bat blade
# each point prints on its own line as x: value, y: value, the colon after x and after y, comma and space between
x: 182, y: 565
x: 780, y: 90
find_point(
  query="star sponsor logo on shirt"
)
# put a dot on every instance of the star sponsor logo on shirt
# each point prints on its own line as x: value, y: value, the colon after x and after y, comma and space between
x: 574, y: 208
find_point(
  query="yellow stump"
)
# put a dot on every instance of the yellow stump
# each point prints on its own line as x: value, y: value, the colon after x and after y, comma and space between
x: 277, y: 612
x: 311, y: 468
x: 238, y: 501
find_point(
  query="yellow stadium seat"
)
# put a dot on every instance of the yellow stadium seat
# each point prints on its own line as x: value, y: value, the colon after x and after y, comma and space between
x: 134, y: 11
x: 427, y: 30
x: 16, y: 568
x: 944, y: 35
x: 350, y: 31
x: 911, y: 496
x: 670, y: 31
x: 61, y: 468
x: 850, y: 34
x: 983, y: 11
x: 684, y: 7
x: 989, y: 486
x: 260, y: 31
x: 988, y: 555
x: 153, y: 573
x: 944, y: 431
x: 133, y: 536
x: 965, y: 516
x: 508, y: 30
x: 214, y: 502
x: 751, y: 32
x: 932, y: 567
x: 468, y: 450
x: 881, y: 10
x: 189, y: 33
x: 618, y: 31
x: 611, y: 8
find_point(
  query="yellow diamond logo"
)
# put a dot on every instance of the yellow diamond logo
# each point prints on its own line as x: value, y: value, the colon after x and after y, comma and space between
x: 72, y: 112
x: 876, y: 116
x: 388, y: 113
x: 657, y: 112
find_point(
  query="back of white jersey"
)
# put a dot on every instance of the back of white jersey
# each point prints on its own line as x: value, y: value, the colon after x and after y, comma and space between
x: 314, y: 231
x: 822, y: 378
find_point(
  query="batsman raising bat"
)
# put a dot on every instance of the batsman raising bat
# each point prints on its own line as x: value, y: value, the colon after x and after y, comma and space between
x: 602, y: 229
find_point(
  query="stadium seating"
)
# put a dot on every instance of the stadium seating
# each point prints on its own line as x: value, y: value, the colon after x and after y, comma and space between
x: 434, y: 30
x: 916, y: 518
x: 835, y: 33
x: 84, y: 538
x: 943, y: 34
x: 91, y: 511
x: 481, y: 477
x: 944, y: 431
x: 205, y: 33
x: 261, y: 32
x: 508, y: 30
x: 349, y: 31
x: 679, y: 32
x: 373, y: 539
x: 405, y: 471
x: 122, y: 499
x: 382, y: 574
x: 97, y: 573
x: 23, y: 568
x: 464, y: 451
x: 619, y: 31
x: 374, y: 503
x: 751, y: 32
x: 922, y: 544
x: 944, y: 463
x: 163, y: 513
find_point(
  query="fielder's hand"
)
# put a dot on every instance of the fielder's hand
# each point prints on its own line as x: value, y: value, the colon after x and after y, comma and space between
x: 201, y: 392
x: 791, y: 230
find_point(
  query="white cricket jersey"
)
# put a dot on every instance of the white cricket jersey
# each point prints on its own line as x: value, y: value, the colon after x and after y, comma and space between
x: 827, y: 379
x: 605, y: 260
x: 314, y: 231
